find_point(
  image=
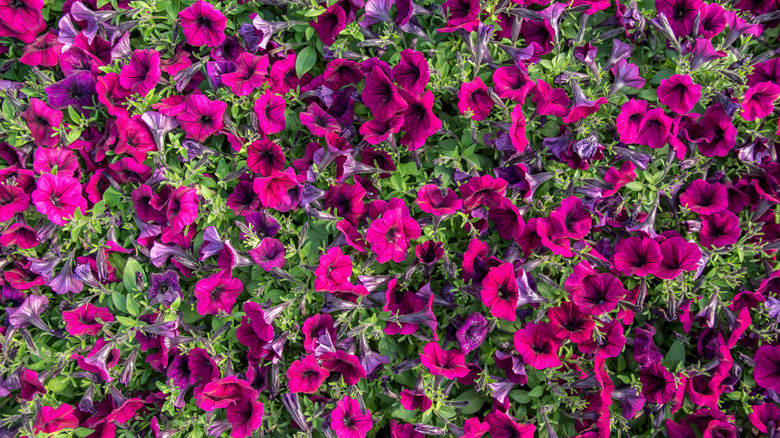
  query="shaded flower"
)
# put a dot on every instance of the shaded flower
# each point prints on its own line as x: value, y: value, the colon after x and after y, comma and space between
x: 638, y: 256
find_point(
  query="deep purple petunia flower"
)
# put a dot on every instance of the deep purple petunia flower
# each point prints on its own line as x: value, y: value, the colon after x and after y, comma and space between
x: 679, y: 93
x: 678, y: 255
x: 658, y: 384
x: 474, y: 97
x: 719, y: 229
x: 269, y: 109
x: 329, y: 24
x: 705, y: 198
x: 473, y: 332
x: 638, y: 256
x: 269, y: 254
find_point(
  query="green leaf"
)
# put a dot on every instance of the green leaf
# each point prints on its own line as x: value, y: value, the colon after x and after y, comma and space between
x: 132, y: 306
x: 314, y: 12
x: 305, y: 60
x: 129, y: 274
x: 112, y: 197
x: 125, y: 321
x: 119, y: 301
x: 676, y: 355
x: 475, y: 400
x: 635, y: 186
x: 83, y: 431
x: 521, y: 397
x: 536, y: 392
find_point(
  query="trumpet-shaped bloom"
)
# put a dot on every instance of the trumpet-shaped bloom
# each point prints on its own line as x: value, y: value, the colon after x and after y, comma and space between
x: 348, y: 419
x: 203, y: 25
x: 58, y: 197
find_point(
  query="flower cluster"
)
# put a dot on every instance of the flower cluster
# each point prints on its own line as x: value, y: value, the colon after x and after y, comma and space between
x: 387, y: 218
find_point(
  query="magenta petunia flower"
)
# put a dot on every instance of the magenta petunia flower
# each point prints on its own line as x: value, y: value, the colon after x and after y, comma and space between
x: 269, y: 109
x: 759, y: 101
x: 654, y: 129
x: 86, y: 320
x: 420, y: 122
x: 265, y: 157
x: 658, y: 384
x: 202, y: 117
x: 51, y: 420
x: 416, y: 399
x: 306, y: 376
x: 135, y: 138
x: 679, y: 93
x: 381, y: 96
x: 678, y: 255
x: 345, y: 364
x: 598, y: 294
x: 474, y: 97
x: 389, y: 235
x: 334, y: 268
x: 274, y: 191
x: 638, y: 256
x: 329, y: 24
x: 348, y: 419
x: 461, y: 14
x: 483, y: 190
x: 13, y: 200
x: 318, y: 121
x: 203, y: 25
x: 582, y: 107
x: 537, y: 344
x: 31, y: 384
x: 217, y: 292
x: 609, y: 341
x: 254, y: 332
x: 221, y: 393
x: 22, y: 15
x: 570, y: 219
x: 269, y: 254
x: 346, y: 200
x: 246, y: 415
x: 718, y: 132
x: 449, y: 363
x: 182, y: 208
x: 517, y: 133
x: 19, y: 234
x: 719, y: 229
x: 250, y: 73
x: 631, y: 115
x: 765, y: 416
x: 508, y: 219
x: 438, y: 201
x: 412, y: 72
x: 44, y: 51
x: 503, y: 426
x: 512, y: 83
x: 705, y: 198
x: 411, y: 311
x: 680, y: 13
x: 568, y: 322
x: 58, y: 197
x: 41, y: 120
x: 550, y: 101
x: 500, y: 292
x: 142, y: 73
x: 341, y: 72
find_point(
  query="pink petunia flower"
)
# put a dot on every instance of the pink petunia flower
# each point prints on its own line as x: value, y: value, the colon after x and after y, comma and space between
x: 202, y: 117
x: 348, y: 419
x: 203, y: 25
x: 142, y: 73
x: 58, y: 197
x: 217, y: 292
x: 306, y: 376
x: 449, y: 363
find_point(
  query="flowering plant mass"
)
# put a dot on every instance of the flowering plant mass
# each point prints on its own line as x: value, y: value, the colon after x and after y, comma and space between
x: 389, y: 218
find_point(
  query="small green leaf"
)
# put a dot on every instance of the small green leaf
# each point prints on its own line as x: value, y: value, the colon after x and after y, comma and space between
x: 305, y: 60
x: 83, y: 431
x: 132, y: 305
x: 536, y: 392
x: 125, y: 321
x: 129, y: 274
x: 676, y: 355
x: 119, y: 301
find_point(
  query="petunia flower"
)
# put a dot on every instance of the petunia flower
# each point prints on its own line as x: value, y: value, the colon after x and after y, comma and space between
x: 638, y: 256
x: 500, y: 292
x: 245, y: 416
x: 607, y: 343
x: 412, y: 72
x: 503, y: 426
x: 654, y: 129
x: 345, y: 364
x: 265, y: 157
x: 203, y: 24
x: 389, y: 235
x: 678, y: 255
x: 346, y: 201
x: 142, y: 73
x: 51, y: 420
x: 217, y: 292
x: 202, y: 117
x: 759, y: 101
x: 318, y: 121
x: 221, y: 393
x: 550, y: 101
x: 254, y: 332
x: 538, y: 346
x: 58, y: 197
x: 438, y: 201
x: 680, y: 13
x: 306, y: 376
x: 474, y: 97
x: 250, y: 73
x: 31, y: 385
x: 44, y: 51
x: 276, y: 191
x: 84, y: 320
x: 329, y: 24
x: 705, y: 198
x: 658, y: 384
x: 348, y: 419
x: 473, y: 332
x: 483, y: 190
x: 269, y: 109
x: 582, y: 107
x: 679, y: 93
x: 41, y: 120
x: 567, y: 321
x: 269, y: 254
x: 449, y: 364
x: 719, y: 229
